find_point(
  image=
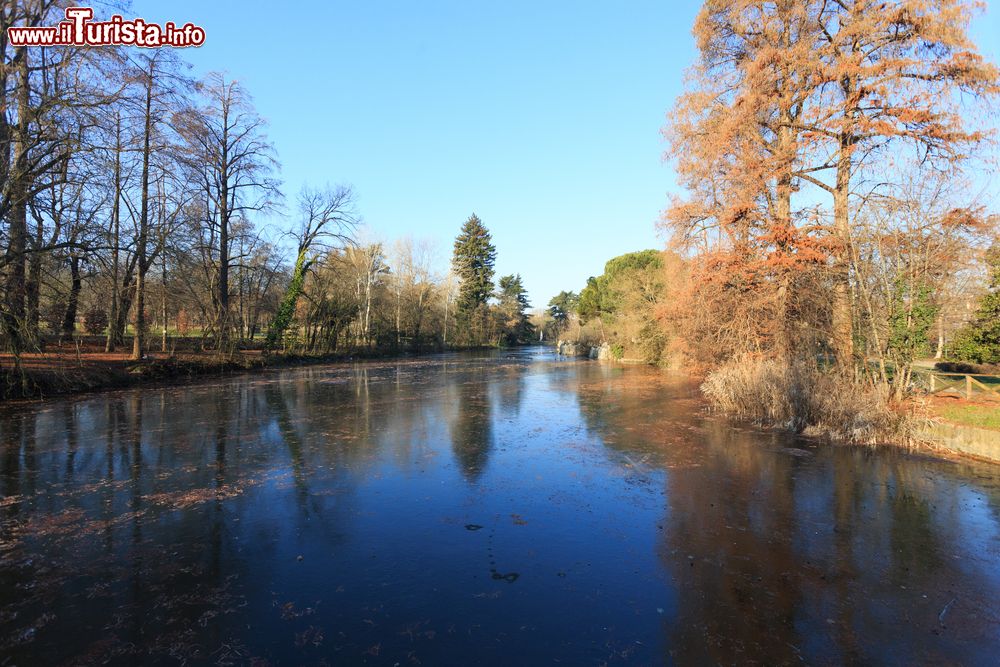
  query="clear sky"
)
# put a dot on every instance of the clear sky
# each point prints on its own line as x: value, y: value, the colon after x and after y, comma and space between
x: 542, y: 117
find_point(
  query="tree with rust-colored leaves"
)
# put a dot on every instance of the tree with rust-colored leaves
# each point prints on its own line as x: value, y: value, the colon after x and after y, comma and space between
x: 804, y: 97
x: 893, y: 75
x: 739, y: 152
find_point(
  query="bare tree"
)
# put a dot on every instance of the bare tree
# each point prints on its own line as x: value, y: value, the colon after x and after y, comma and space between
x: 44, y: 98
x: 236, y: 165
x: 329, y: 218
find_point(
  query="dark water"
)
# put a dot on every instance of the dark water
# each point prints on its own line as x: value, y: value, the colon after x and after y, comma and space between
x: 507, y: 509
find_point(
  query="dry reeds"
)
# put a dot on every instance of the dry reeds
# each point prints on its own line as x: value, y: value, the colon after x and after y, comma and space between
x: 799, y: 397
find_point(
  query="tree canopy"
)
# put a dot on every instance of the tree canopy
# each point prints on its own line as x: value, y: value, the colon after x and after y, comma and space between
x: 980, y: 340
x: 473, y: 262
x: 513, y: 305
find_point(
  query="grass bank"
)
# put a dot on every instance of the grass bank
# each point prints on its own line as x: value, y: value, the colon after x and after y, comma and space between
x: 980, y: 415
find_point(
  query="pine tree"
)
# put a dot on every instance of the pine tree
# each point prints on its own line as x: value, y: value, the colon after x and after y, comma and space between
x: 561, y: 306
x: 514, y: 309
x: 473, y: 261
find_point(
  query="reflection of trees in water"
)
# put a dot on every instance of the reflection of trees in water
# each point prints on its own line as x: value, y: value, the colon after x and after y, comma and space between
x: 217, y: 520
x: 637, y: 412
x: 797, y: 544
x: 72, y: 439
x: 344, y: 421
x: 914, y: 543
x: 728, y: 544
x: 17, y: 437
x: 472, y: 427
x: 509, y: 387
x: 408, y: 412
x: 780, y: 543
x: 279, y: 409
x: 601, y: 410
x: 778, y: 556
x: 725, y: 534
x: 136, y: 579
x: 143, y: 474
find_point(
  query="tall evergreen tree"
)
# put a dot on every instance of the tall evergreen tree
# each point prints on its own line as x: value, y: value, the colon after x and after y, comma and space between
x: 514, y: 309
x: 474, y: 258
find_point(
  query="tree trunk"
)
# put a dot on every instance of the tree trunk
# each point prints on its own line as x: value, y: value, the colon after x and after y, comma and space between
x: 33, y: 287
x: 399, y: 306
x: 222, y: 293
x: 939, y: 351
x: 72, y: 303
x: 222, y: 288
x: 420, y: 320
x: 842, y: 315
x: 118, y: 327
x: 139, y: 335
x: 447, y: 301
x: 116, y: 332
x: 139, y: 339
x: 17, y: 233
x: 286, y: 311
x: 163, y: 306
x: 783, y: 215
x: 843, y: 326
x: 369, y: 286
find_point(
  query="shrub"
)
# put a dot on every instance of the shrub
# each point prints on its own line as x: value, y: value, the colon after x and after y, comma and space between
x: 652, y: 341
x: 799, y: 397
x: 956, y: 367
x: 970, y: 344
x: 979, y: 341
x: 95, y: 321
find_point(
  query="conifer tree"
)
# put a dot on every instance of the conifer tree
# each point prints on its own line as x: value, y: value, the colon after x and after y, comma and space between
x: 473, y: 261
x: 561, y: 306
x: 514, y: 308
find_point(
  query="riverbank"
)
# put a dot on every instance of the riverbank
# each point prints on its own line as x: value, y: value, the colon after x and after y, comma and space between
x: 47, y: 374
x: 67, y: 370
x: 962, y: 427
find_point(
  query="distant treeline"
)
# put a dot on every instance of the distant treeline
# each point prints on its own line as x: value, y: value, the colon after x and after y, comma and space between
x: 133, y: 206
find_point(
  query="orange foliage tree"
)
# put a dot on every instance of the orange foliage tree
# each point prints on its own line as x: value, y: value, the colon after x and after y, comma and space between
x: 789, y: 103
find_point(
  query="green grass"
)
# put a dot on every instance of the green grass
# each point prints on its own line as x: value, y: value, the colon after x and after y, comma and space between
x: 984, y: 416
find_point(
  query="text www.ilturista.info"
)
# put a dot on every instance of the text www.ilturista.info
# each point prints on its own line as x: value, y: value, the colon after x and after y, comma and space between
x: 80, y: 30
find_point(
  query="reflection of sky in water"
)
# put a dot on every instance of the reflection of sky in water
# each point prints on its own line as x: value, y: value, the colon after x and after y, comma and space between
x: 504, y: 508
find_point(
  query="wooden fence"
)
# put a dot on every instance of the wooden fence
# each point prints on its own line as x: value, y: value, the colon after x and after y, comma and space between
x: 964, y: 384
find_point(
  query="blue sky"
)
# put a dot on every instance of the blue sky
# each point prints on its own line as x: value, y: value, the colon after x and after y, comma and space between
x: 542, y: 117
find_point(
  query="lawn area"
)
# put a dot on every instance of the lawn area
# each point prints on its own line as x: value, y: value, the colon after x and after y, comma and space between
x: 981, y: 415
